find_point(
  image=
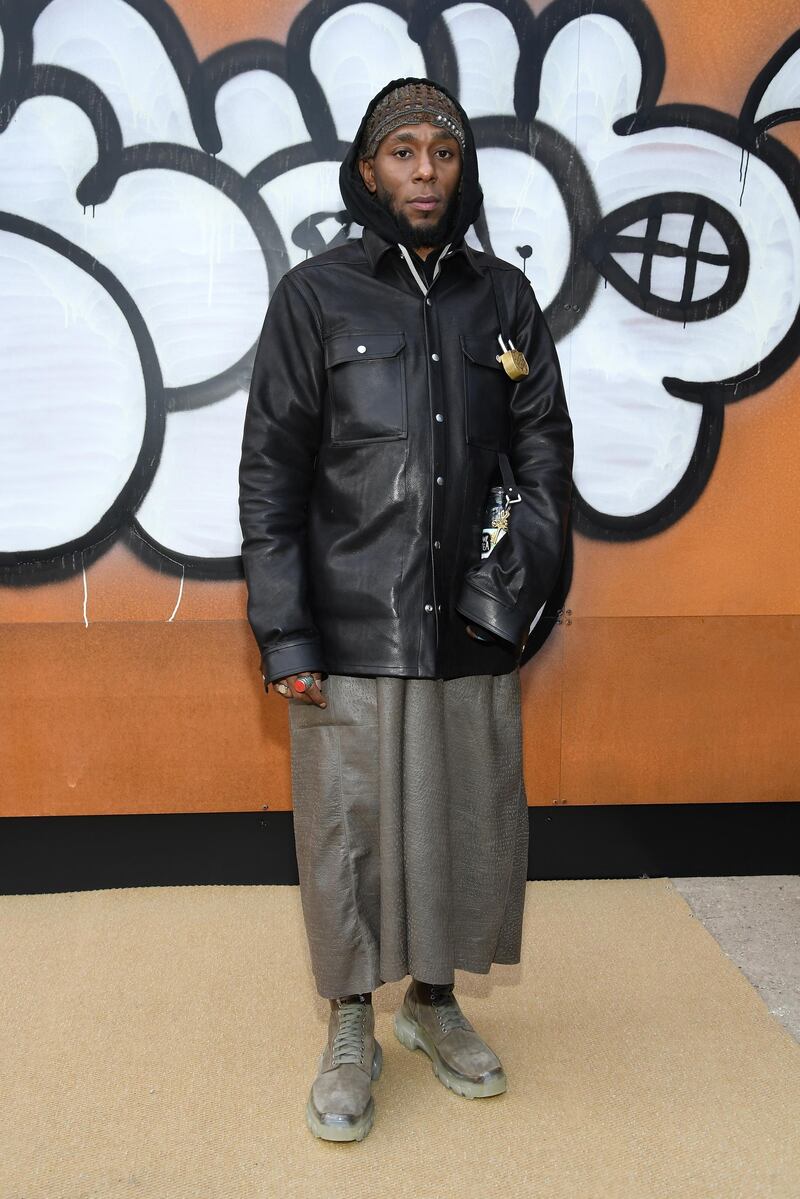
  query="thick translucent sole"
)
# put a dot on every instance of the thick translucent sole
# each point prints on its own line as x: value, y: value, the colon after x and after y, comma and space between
x: 411, y: 1034
x: 345, y: 1128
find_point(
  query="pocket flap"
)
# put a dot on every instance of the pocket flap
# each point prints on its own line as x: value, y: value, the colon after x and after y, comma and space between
x: 482, y: 349
x: 361, y: 347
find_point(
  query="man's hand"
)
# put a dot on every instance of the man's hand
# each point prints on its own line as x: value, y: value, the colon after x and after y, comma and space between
x: 313, y: 695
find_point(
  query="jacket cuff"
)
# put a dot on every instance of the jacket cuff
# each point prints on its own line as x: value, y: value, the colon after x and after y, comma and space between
x: 481, y: 608
x: 291, y: 659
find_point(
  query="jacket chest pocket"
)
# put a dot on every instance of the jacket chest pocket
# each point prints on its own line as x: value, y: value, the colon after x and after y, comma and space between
x: 487, y: 394
x: 366, y: 387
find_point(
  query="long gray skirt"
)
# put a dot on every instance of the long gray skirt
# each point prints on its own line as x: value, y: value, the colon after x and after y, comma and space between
x: 411, y: 828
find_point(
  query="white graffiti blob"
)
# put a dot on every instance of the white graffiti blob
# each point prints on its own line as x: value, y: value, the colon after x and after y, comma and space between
x: 184, y: 252
x: 487, y: 52
x: 354, y: 53
x: 523, y: 206
x: 633, y: 440
x: 782, y: 93
x: 258, y: 115
x: 296, y: 193
x: 199, y: 458
x: 112, y: 44
x: 72, y: 400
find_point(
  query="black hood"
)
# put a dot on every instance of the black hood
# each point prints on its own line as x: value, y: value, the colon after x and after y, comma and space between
x: 364, y: 209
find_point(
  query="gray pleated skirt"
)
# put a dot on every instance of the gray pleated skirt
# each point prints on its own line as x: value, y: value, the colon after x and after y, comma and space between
x: 411, y: 828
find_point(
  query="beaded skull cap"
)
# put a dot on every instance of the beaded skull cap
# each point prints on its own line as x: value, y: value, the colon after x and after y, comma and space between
x: 410, y: 104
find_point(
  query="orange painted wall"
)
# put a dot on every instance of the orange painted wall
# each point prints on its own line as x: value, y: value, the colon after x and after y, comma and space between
x: 676, y: 679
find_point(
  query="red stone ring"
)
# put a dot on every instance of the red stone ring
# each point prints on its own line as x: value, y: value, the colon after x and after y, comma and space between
x: 303, y: 682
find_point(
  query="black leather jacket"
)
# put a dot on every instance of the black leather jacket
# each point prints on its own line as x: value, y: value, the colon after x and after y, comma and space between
x: 373, y: 428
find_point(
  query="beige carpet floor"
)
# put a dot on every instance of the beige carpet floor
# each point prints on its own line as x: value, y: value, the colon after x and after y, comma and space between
x: 160, y: 1043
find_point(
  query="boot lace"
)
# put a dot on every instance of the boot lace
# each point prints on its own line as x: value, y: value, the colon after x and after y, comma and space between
x: 348, y: 1044
x: 448, y: 1012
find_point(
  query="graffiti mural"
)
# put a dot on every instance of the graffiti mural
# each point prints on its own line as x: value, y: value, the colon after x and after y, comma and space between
x: 150, y: 202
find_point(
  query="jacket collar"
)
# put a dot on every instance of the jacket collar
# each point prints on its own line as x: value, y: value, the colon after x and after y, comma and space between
x: 375, y: 246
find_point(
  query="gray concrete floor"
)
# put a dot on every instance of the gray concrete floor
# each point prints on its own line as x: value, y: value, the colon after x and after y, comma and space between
x: 756, y: 921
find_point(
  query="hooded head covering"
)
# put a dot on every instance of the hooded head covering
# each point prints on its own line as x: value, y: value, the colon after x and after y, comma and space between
x: 365, y: 209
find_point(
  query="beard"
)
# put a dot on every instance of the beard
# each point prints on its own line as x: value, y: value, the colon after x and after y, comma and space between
x: 424, y: 233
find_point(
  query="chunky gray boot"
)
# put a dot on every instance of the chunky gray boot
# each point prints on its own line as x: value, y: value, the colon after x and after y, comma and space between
x: 429, y: 1018
x: 340, y: 1106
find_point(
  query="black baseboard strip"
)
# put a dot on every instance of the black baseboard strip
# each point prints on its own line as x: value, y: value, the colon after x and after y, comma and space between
x: 49, y: 854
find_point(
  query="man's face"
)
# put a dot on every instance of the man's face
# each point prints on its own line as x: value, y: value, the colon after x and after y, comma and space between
x: 415, y: 174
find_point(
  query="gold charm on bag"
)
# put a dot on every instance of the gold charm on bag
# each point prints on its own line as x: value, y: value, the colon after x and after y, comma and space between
x: 496, y: 515
x: 512, y: 361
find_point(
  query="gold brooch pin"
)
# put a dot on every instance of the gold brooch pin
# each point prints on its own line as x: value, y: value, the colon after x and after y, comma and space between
x: 512, y: 361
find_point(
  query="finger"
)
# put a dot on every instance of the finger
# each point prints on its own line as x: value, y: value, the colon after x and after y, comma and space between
x: 285, y: 687
x: 315, y: 694
x: 312, y: 696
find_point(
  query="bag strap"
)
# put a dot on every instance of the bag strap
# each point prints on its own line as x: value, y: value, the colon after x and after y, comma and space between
x: 509, y: 486
x: 500, y: 305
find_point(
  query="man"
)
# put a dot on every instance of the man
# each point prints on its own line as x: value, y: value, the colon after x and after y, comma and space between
x: 388, y: 398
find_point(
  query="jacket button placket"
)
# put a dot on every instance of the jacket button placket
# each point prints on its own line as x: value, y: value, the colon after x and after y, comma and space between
x: 438, y: 462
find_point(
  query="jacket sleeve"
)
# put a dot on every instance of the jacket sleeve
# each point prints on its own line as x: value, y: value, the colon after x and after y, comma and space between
x: 505, y: 591
x: 279, y: 447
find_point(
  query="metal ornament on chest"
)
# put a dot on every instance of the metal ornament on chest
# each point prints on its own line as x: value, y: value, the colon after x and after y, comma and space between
x: 513, y: 361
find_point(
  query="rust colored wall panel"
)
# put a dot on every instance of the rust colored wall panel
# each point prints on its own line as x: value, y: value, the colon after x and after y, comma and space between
x: 136, y: 717
x: 125, y: 718
x: 541, y: 728
x: 681, y: 710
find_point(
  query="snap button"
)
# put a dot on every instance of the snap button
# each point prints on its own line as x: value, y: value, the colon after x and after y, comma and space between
x: 429, y: 607
x: 428, y: 302
x: 439, y: 417
x: 361, y: 349
x: 435, y: 357
x: 437, y: 545
x: 440, y: 480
